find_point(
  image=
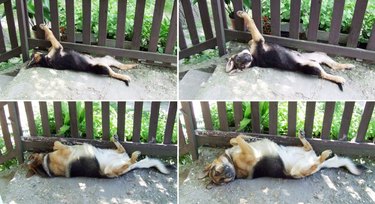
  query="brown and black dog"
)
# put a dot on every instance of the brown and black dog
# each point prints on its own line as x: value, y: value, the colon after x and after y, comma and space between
x: 88, y: 161
x: 269, y: 55
x: 265, y: 158
x: 59, y: 58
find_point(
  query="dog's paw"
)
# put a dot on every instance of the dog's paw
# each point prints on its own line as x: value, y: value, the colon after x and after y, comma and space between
x: 348, y: 66
x: 301, y: 134
x: 42, y: 26
x: 243, y: 14
x: 136, y: 154
x: 326, y: 154
x: 115, y: 138
x: 233, y: 141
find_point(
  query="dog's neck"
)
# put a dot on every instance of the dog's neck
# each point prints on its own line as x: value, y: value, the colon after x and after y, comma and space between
x: 45, y: 165
x: 229, y: 158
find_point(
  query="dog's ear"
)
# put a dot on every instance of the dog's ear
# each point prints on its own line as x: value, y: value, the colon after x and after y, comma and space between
x: 30, y: 173
x: 230, y: 64
x: 205, y: 171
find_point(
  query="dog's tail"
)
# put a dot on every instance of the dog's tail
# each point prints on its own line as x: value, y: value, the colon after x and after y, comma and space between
x: 148, y: 163
x: 337, y: 162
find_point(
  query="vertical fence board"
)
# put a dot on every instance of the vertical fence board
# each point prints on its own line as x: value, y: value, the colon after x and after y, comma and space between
x: 105, y: 121
x: 156, y: 23
x: 154, y: 116
x: 275, y: 17
x: 257, y: 14
x: 224, y: 16
x: 188, y: 118
x: 121, y: 110
x: 189, y: 17
x: 365, y: 120
x: 181, y: 136
x: 255, y: 117
x: 121, y: 20
x: 11, y: 24
x: 138, y: 107
x: 171, y: 119
x: 70, y: 23
x: 295, y: 14
x: 2, y: 42
x: 89, y: 120
x: 54, y: 18
x: 181, y: 37
x: 138, y: 23
x: 102, y: 32
x: 327, y: 120
x: 86, y: 21
x: 38, y: 4
x: 292, y: 118
x: 238, y: 113
x: 73, y: 119
x: 44, y: 115
x: 58, y: 115
x: 312, y: 32
x: 5, y: 129
x: 172, y: 33
x: 309, y: 119
x: 23, y: 29
x: 206, y: 113
x: 17, y: 129
x: 346, y: 118
x: 273, y: 118
x: 219, y: 27
x: 30, y: 118
x: 205, y: 18
x: 371, y: 41
x: 239, y: 23
x: 338, y: 11
x: 357, y: 21
x: 223, y: 119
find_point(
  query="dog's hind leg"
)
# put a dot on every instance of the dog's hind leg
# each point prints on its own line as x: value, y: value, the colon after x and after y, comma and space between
x: 301, y: 169
x: 323, y: 58
x: 105, y: 69
x: 306, y: 145
x: 120, y: 148
x: 112, y: 62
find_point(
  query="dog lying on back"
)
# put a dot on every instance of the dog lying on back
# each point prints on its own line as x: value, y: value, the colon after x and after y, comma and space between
x: 265, y: 158
x: 88, y: 161
x: 58, y: 58
x: 267, y: 55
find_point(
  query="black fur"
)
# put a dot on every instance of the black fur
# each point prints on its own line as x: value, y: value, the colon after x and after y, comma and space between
x: 270, y: 166
x: 85, y: 167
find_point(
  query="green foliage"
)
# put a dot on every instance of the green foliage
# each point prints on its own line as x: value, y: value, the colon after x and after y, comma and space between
x: 185, y: 159
x: 97, y: 122
x: 201, y: 57
x: 8, y: 164
x: 246, y: 123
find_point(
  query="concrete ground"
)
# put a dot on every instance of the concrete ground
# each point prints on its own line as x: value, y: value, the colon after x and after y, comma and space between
x: 138, y: 186
x: 271, y: 84
x: 148, y: 82
x: 326, y: 186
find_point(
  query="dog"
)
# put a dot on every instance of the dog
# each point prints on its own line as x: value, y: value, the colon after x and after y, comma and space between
x: 88, y: 161
x: 61, y: 59
x: 264, y: 158
x: 266, y: 55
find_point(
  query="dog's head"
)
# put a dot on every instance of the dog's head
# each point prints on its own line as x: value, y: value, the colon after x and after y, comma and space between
x: 221, y: 170
x: 38, y: 60
x: 35, y: 165
x: 239, y: 61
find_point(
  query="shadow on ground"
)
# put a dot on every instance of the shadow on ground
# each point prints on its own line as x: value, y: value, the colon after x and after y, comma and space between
x: 138, y: 186
x: 326, y: 186
x: 271, y: 84
x: 148, y: 82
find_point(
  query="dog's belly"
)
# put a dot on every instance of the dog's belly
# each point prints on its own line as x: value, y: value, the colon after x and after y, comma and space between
x: 294, y: 155
x: 110, y: 158
x: 85, y: 167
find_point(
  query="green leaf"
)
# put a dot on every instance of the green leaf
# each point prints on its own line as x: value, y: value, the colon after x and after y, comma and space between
x: 244, y: 122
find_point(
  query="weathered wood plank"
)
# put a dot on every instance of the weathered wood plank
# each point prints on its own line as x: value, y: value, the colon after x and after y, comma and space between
x: 206, y: 113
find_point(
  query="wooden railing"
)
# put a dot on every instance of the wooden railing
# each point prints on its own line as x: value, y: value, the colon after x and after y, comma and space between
x: 195, y: 137
x: 42, y: 139
x: 224, y: 33
x: 84, y: 41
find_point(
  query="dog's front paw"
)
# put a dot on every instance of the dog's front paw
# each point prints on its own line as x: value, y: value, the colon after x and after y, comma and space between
x: 42, y: 26
x: 233, y: 141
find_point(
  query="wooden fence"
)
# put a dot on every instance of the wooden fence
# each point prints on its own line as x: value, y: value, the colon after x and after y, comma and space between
x: 44, y: 142
x: 223, y: 33
x: 192, y: 138
x: 84, y: 41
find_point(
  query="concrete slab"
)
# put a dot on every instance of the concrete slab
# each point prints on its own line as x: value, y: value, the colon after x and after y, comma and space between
x: 325, y: 186
x: 191, y: 83
x: 148, y: 82
x: 4, y: 81
x: 271, y: 84
x: 138, y: 186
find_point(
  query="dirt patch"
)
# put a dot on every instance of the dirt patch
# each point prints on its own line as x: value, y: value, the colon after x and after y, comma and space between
x: 271, y: 84
x: 326, y: 186
x: 138, y: 186
x: 148, y: 82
